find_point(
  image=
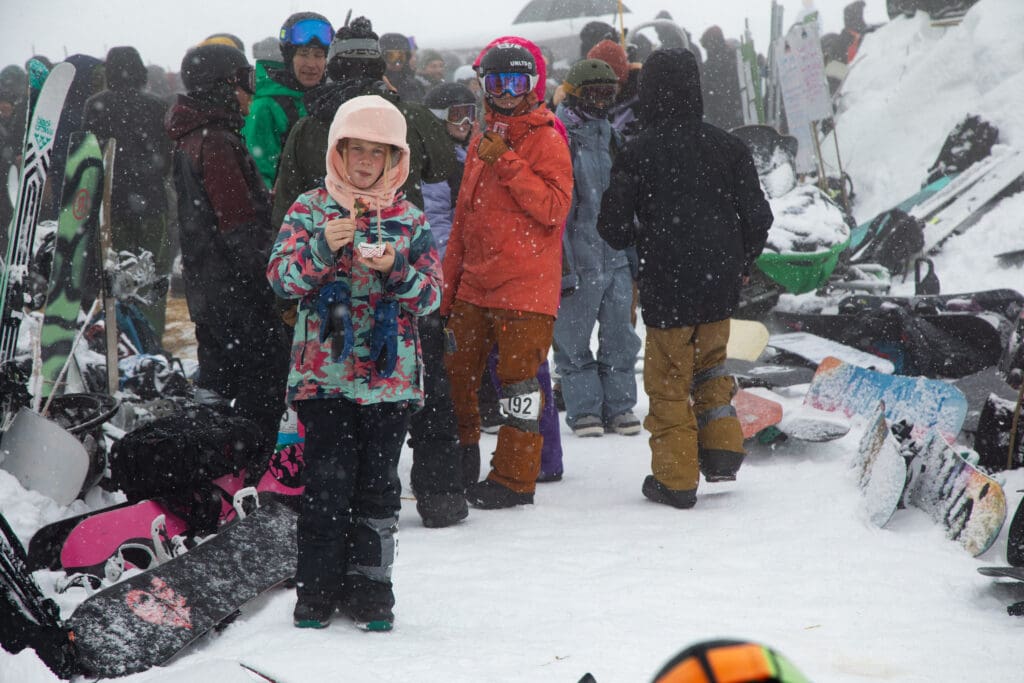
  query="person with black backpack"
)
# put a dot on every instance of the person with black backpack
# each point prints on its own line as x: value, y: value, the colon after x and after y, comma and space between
x: 226, y: 236
x: 277, y: 104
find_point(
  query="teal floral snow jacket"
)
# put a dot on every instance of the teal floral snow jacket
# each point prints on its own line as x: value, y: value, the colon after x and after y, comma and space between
x: 301, y: 263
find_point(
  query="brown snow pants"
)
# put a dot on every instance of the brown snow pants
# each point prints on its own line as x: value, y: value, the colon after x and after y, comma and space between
x: 523, y: 339
x: 680, y: 364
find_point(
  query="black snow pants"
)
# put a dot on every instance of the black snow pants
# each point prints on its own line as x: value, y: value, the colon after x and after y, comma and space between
x: 349, y: 511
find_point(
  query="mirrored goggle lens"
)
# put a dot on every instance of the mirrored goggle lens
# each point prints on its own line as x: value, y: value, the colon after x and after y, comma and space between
x: 461, y: 113
x: 497, y: 85
x: 457, y: 114
x: 599, y: 93
x: 306, y: 31
x: 394, y: 56
x: 245, y: 78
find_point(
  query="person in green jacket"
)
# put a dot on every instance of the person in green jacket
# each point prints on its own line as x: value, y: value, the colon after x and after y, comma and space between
x: 356, y: 67
x: 280, y: 86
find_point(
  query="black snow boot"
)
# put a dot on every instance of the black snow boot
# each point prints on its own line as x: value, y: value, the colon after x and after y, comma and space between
x: 719, y: 465
x: 313, y: 610
x: 490, y: 495
x: 369, y: 603
x: 470, y: 464
x: 659, y: 493
x: 439, y: 510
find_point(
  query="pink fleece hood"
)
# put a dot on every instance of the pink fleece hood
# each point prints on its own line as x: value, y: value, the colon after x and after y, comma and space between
x: 371, y: 118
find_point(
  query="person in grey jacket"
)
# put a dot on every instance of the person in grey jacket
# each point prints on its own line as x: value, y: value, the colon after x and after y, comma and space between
x: 600, y: 391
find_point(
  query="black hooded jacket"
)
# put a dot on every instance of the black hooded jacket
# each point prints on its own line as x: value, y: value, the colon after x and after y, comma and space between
x: 720, y: 82
x: 136, y: 120
x: 687, y: 195
x: 224, y: 211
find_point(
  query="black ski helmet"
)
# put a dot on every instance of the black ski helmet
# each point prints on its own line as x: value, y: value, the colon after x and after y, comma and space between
x: 505, y: 58
x: 395, y: 41
x: 289, y: 44
x: 445, y: 95
x: 206, y: 66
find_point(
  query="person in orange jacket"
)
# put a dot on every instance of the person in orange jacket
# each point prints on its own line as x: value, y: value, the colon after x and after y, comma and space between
x: 503, y: 269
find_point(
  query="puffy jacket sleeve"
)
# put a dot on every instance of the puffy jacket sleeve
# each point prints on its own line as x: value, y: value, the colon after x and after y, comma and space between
x: 437, y: 203
x: 539, y: 176
x: 415, y: 278
x: 753, y: 209
x: 616, y: 224
x: 300, y: 259
x: 456, y: 249
x: 239, y: 201
x: 264, y: 127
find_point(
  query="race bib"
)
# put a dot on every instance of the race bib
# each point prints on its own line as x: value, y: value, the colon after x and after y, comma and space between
x: 522, y: 406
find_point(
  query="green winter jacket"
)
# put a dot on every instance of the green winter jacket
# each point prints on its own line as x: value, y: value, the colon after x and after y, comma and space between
x: 303, y: 159
x: 276, y: 107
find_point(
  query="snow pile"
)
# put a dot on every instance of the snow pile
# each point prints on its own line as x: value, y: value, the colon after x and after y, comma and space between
x: 911, y: 83
x: 806, y: 221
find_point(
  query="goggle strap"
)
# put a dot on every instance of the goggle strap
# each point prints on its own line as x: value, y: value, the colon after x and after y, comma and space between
x: 305, y: 31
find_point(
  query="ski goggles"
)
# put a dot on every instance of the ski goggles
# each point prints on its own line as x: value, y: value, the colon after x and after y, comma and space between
x: 306, y: 31
x: 457, y: 114
x: 598, y: 92
x: 245, y: 78
x: 395, y: 56
x: 515, y: 84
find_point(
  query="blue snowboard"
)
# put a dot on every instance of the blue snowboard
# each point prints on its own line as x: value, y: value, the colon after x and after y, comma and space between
x: 922, y: 402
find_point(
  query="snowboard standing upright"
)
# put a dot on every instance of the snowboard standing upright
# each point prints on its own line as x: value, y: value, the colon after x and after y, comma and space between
x: 72, y: 254
x: 38, y: 147
x: 970, y: 505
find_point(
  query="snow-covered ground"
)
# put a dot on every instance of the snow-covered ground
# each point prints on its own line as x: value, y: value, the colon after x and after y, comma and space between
x: 596, y: 578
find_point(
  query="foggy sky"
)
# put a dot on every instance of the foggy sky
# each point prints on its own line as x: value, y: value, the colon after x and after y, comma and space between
x: 163, y: 30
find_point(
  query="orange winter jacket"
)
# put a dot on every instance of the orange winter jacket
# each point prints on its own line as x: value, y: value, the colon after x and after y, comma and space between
x: 505, y: 248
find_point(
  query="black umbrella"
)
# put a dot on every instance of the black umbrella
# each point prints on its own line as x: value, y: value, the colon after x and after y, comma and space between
x: 550, y: 10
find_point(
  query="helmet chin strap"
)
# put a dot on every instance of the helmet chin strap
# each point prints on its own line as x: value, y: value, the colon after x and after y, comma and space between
x: 500, y: 110
x: 513, y: 111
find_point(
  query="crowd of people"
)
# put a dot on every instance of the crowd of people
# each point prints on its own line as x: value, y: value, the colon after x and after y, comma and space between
x: 392, y: 245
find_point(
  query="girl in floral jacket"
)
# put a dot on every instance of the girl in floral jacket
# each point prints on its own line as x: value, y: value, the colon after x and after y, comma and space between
x: 362, y: 263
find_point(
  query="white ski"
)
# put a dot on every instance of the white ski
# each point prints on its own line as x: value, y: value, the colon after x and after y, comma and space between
x: 35, y: 165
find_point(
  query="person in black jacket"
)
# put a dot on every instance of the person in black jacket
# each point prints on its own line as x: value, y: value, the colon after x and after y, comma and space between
x: 687, y: 195
x: 226, y: 236
x: 721, y: 81
x: 142, y: 163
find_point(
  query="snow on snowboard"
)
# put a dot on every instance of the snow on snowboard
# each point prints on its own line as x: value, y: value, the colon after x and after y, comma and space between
x: 922, y: 402
x: 145, y: 620
x: 931, y: 476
